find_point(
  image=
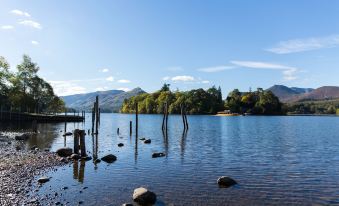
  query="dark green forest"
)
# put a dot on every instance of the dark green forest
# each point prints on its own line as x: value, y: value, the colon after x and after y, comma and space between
x: 25, y: 91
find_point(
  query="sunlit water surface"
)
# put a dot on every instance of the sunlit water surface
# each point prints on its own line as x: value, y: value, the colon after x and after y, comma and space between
x: 276, y: 161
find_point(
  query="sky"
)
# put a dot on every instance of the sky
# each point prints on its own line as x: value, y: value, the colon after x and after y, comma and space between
x: 86, y: 45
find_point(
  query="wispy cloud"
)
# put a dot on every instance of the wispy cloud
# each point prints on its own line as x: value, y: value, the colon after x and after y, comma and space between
x: 7, y: 27
x: 64, y: 88
x: 124, y: 81
x: 20, y: 13
x: 110, y: 79
x: 31, y: 23
x: 105, y: 70
x: 300, y: 45
x: 289, y: 73
x: 35, y: 42
x: 215, y: 69
x: 124, y: 89
x: 205, y: 82
x: 184, y: 78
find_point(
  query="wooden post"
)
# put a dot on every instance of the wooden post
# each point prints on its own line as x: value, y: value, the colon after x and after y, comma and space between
x: 82, y: 143
x: 76, y: 141
x: 65, y: 122
x: 93, y: 117
x: 97, y: 114
x: 136, y: 120
x: 118, y: 131
x: 182, y: 115
x: 164, y: 117
x: 185, y: 112
x: 130, y: 128
x: 1, y: 112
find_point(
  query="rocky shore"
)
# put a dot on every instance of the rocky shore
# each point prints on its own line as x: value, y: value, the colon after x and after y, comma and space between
x: 19, y: 167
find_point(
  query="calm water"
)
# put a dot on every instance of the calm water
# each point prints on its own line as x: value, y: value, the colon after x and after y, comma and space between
x: 275, y: 160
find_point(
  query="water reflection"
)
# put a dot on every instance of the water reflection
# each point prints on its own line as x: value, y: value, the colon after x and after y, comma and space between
x: 79, y: 172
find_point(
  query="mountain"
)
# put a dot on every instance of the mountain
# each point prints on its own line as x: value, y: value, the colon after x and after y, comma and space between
x: 285, y: 93
x: 109, y: 101
x: 295, y: 94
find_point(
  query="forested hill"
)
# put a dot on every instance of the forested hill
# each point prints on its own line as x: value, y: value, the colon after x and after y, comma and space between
x: 110, y: 101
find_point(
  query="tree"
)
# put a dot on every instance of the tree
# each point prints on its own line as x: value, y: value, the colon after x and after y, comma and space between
x: 165, y: 88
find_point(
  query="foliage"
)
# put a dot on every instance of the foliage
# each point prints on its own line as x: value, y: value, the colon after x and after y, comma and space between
x: 313, y: 107
x: 25, y: 91
x: 258, y: 102
x: 197, y: 101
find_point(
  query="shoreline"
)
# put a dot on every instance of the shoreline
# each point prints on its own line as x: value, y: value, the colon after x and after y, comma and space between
x: 19, y: 168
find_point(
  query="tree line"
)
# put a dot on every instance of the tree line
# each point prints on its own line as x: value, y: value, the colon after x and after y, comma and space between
x: 200, y: 101
x: 25, y: 91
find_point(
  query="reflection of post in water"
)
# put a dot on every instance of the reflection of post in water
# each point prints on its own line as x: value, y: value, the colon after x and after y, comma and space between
x: 95, y: 147
x: 136, y: 150
x: 165, y: 137
x: 183, y: 142
x: 82, y: 171
x: 75, y: 170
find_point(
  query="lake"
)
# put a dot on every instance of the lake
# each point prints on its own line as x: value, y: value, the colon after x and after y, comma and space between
x: 276, y: 160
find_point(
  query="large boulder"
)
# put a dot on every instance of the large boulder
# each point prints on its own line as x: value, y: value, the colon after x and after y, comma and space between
x: 43, y: 179
x: 64, y: 152
x: 22, y: 137
x: 143, y: 196
x: 225, y: 181
x: 109, y: 158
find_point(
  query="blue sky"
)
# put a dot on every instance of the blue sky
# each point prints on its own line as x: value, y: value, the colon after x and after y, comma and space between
x: 84, y: 46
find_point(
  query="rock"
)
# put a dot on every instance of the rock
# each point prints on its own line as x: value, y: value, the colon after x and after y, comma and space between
x: 120, y: 145
x: 64, y: 152
x: 22, y: 137
x: 97, y: 161
x: 143, y: 196
x: 87, y: 158
x: 127, y: 204
x: 34, y: 147
x: 225, y: 181
x: 109, y: 158
x: 158, y: 154
x: 43, y: 179
x: 147, y: 141
x: 67, y: 134
x: 142, y: 139
x: 75, y: 156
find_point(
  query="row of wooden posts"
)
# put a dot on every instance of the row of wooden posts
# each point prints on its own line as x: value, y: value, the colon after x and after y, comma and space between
x: 79, y: 135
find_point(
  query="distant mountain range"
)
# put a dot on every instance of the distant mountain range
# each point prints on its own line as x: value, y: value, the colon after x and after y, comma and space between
x: 110, y: 101
x: 295, y: 94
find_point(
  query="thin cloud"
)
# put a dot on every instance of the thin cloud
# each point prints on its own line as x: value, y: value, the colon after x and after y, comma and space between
x: 110, y: 79
x: 35, y: 42
x: 289, y: 73
x: 215, y: 69
x: 64, y: 88
x: 166, y: 78
x: 183, y: 78
x: 105, y: 70
x: 205, y: 82
x: 20, y: 13
x: 7, y: 27
x: 124, y: 89
x: 124, y: 81
x: 308, y: 44
x: 31, y: 23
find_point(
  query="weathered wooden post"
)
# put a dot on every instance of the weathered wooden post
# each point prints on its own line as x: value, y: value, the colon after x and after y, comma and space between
x: 118, y: 131
x: 93, y: 118
x: 35, y: 126
x: 82, y: 143
x: 130, y: 128
x: 136, y: 120
x: 76, y: 141
x: 183, y: 116
x: 97, y: 115
x: 0, y: 112
x: 164, y: 117
x: 167, y: 115
x: 65, y: 122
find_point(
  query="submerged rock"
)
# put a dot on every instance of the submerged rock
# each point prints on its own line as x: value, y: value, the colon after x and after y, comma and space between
x: 87, y: 158
x: 109, y: 158
x: 75, y: 156
x: 147, y: 141
x: 158, y: 154
x: 225, y: 181
x: 97, y: 161
x: 143, y: 196
x: 64, y: 152
x: 142, y: 138
x: 22, y: 137
x: 120, y: 145
x: 127, y: 204
x: 43, y: 179
x: 67, y: 134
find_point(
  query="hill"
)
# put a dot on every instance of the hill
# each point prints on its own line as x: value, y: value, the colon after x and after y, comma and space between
x: 287, y: 94
x: 110, y: 101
